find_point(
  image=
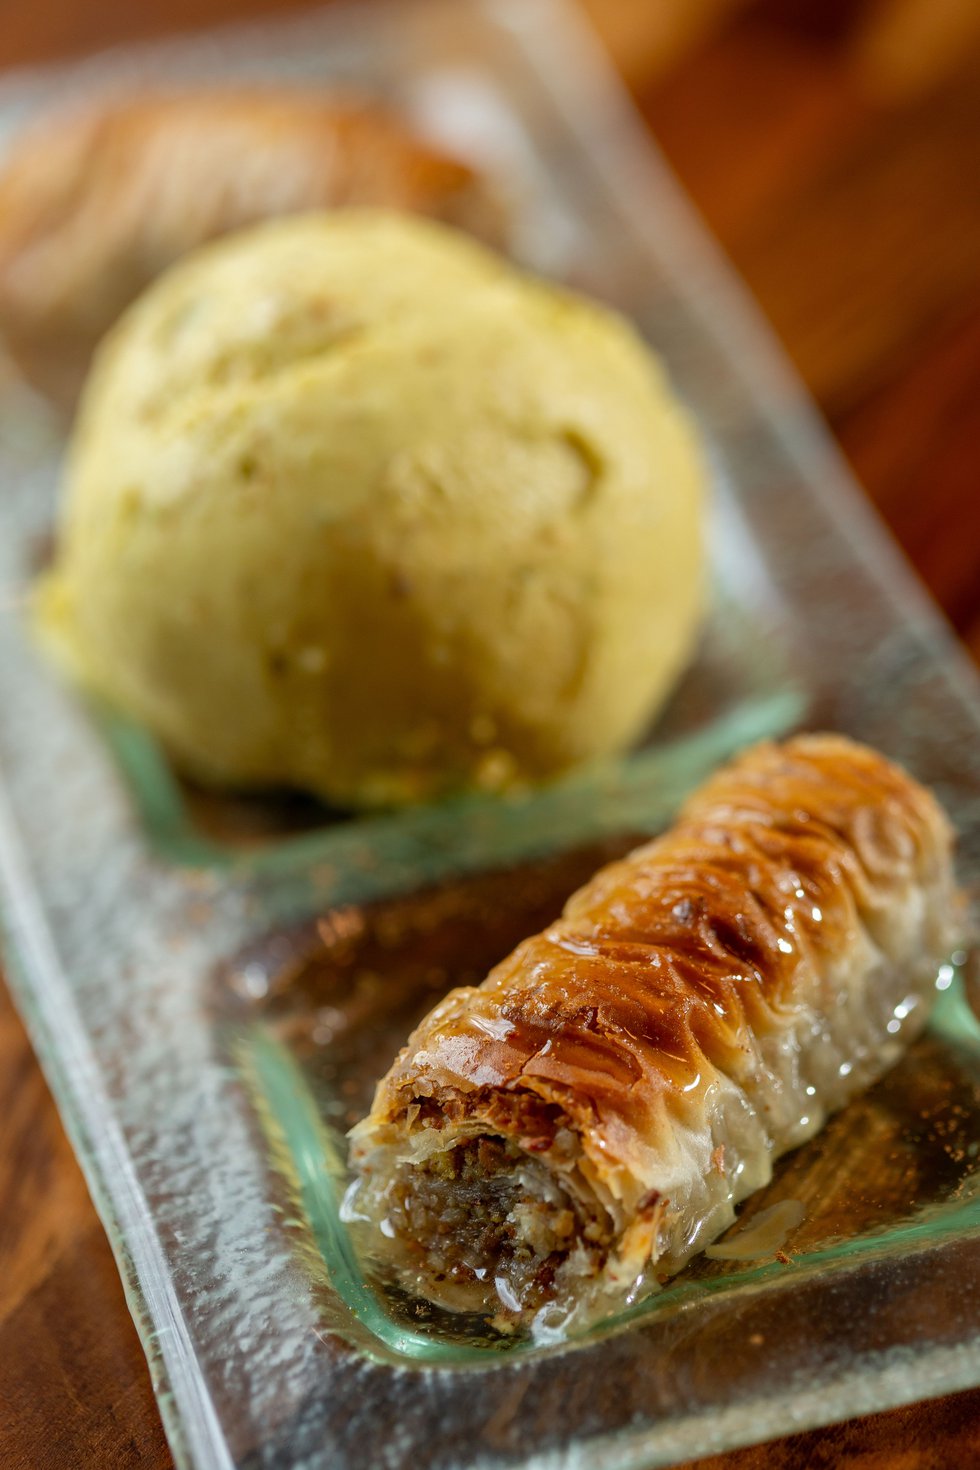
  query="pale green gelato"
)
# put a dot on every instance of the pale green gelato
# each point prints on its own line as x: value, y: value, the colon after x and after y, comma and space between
x: 354, y: 506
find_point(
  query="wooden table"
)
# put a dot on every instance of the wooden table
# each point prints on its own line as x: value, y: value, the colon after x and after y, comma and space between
x: 833, y: 148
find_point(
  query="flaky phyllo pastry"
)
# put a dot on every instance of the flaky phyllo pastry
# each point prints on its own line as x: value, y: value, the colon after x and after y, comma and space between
x: 94, y: 205
x: 557, y: 1141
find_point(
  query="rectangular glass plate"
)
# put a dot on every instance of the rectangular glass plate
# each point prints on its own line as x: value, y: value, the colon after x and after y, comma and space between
x: 207, y: 1042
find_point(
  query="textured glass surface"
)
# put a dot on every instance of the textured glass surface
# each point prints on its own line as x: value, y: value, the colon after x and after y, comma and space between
x: 208, y: 1041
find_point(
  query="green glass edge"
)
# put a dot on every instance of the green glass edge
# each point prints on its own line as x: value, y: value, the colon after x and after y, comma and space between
x: 311, y: 1156
x: 469, y: 831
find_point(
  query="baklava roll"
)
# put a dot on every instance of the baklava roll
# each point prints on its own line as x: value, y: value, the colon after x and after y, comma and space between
x: 580, y: 1125
x: 96, y: 203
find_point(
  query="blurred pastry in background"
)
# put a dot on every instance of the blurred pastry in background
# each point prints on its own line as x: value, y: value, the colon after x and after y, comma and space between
x: 356, y: 507
x: 94, y: 206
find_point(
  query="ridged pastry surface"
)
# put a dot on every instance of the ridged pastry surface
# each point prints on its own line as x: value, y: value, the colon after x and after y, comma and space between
x: 94, y: 204
x: 700, y: 1006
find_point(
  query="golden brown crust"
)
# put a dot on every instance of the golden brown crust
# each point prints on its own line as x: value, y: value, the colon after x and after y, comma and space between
x: 93, y: 207
x: 636, y: 1068
x: 674, y: 964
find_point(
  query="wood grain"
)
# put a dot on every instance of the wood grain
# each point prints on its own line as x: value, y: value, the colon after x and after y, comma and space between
x: 74, y: 1388
x: 831, y: 145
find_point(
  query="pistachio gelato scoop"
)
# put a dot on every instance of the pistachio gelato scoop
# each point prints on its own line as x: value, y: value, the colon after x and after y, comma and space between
x: 354, y: 506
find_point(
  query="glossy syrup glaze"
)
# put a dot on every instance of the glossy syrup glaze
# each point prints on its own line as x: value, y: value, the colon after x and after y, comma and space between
x: 702, y: 1004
